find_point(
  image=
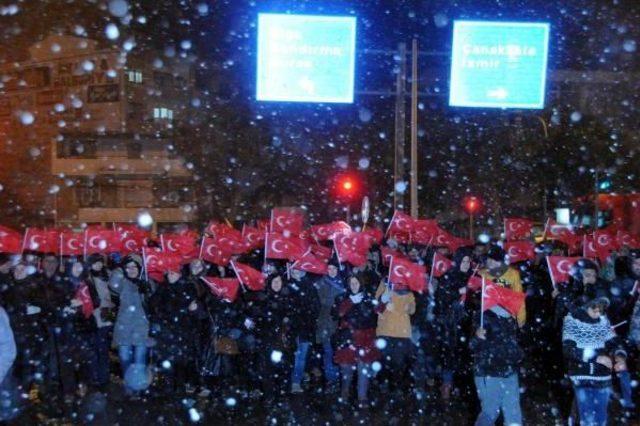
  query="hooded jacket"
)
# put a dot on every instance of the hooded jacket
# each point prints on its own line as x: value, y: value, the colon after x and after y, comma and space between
x: 499, y: 354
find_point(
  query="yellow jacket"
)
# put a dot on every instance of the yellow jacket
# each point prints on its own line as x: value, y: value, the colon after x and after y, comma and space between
x: 395, y: 320
x: 511, y: 280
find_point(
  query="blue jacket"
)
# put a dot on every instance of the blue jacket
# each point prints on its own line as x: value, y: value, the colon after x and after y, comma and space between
x: 7, y: 345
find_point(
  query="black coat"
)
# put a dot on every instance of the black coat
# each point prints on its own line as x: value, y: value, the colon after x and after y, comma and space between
x: 499, y: 354
x: 449, y: 315
x: 173, y: 325
x: 271, y: 319
x: 305, y: 308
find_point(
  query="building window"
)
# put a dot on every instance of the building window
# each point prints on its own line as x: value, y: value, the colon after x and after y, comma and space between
x: 134, y: 76
x: 163, y: 113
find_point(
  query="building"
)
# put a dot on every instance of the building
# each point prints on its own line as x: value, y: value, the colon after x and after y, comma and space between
x: 87, y: 135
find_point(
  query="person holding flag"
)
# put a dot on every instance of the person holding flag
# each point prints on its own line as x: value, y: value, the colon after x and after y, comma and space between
x: 503, y: 275
x: 396, y: 305
x: 449, y: 314
x: 496, y: 354
x: 131, y: 330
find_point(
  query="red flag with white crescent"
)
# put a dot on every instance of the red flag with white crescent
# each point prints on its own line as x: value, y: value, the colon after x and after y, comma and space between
x: 10, y: 241
x: 560, y: 268
x: 287, y: 221
x: 248, y: 276
x: 84, y: 296
x: 223, y: 288
x: 71, y: 243
x: 440, y: 265
x: 519, y: 251
x: 517, y: 228
x: 211, y: 252
x: 409, y: 274
x: 310, y: 263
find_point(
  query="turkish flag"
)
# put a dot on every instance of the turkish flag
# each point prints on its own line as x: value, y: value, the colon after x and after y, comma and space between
x: 517, y: 229
x: 219, y: 230
x: 401, y: 223
x: 233, y: 245
x: 41, y: 240
x: 563, y: 233
x: 71, y: 243
x: 223, y: 288
x: 277, y: 246
x: 404, y: 272
x: 287, y: 221
x: 101, y: 240
x: 495, y: 295
x: 211, y: 252
x: 440, y: 265
x: 560, y: 268
x: 425, y: 231
x: 180, y: 244
x: 328, y: 231
x: 132, y: 238
x: 263, y: 225
x: 375, y: 234
x: 321, y: 252
x: 83, y: 295
x: 248, y: 276
x: 10, y: 241
x: 310, y: 263
x: 353, y: 248
x: 598, y: 246
x: 253, y: 237
x: 626, y: 239
x: 157, y: 262
x: 475, y: 283
x: 387, y: 253
x: 519, y: 251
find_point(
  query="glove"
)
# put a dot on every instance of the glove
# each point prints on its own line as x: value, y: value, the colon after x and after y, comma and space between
x: 386, y: 297
x: 356, y: 298
x: 32, y: 310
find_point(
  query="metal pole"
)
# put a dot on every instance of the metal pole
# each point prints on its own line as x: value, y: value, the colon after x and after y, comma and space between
x: 398, y: 170
x: 414, y: 130
x: 595, y: 202
x: 471, y: 226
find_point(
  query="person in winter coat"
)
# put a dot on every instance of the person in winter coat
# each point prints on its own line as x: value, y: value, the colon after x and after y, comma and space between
x: 104, y: 316
x: 329, y: 287
x: 8, y: 353
x: 395, y: 307
x: 583, y: 285
x: 131, y: 330
x: 592, y: 350
x: 271, y: 330
x: 25, y: 306
x: 503, y: 275
x: 449, y: 314
x: 497, y: 357
x: 355, y: 337
x: 623, y: 291
x: 173, y: 314
x: 305, y: 308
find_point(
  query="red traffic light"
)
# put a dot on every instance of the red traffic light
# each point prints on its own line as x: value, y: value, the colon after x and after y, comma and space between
x: 472, y: 204
x: 347, y: 186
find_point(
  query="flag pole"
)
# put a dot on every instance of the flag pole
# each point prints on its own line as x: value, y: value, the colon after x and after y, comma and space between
x: 24, y: 241
x: 144, y: 265
x: 390, y: 223
x: 84, y: 247
x: 544, y: 233
x: 201, y: 246
x: 482, y: 305
x: 553, y: 281
x: 337, y: 254
x: 61, y: 239
x: 233, y: 266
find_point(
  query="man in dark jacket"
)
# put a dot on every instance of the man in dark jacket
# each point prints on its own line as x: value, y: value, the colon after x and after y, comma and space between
x: 496, y: 358
x: 305, y: 307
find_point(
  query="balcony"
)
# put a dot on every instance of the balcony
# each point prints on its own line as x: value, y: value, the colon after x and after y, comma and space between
x: 115, y: 155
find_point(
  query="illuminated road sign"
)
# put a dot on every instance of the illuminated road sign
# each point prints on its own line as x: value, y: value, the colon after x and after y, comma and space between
x: 499, y: 64
x: 303, y: 58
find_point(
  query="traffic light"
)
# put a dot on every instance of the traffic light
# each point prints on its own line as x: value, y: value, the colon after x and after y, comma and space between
x: 604, y: 184
x: 347, y: 186
x: 472, y: 204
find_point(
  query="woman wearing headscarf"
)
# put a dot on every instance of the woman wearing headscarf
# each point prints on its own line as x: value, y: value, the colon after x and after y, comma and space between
x: 355, y: 337
x: 131, y: 330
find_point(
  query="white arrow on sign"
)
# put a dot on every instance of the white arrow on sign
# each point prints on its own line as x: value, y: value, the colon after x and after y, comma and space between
x: 499, y: 93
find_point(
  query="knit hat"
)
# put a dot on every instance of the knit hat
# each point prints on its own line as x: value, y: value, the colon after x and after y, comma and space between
x: 602, y: 302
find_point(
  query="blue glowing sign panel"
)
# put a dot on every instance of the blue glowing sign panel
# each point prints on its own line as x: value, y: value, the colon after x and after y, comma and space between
x: 499, y: 64
x: 304, y: 58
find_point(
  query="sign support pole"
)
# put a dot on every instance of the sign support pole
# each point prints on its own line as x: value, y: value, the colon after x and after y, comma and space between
x: 414, y: 130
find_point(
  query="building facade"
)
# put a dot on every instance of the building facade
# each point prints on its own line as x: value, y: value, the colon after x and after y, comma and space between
x: 87, y: 135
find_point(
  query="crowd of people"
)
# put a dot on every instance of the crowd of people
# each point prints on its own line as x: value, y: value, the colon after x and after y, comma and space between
x: 579, y: 340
